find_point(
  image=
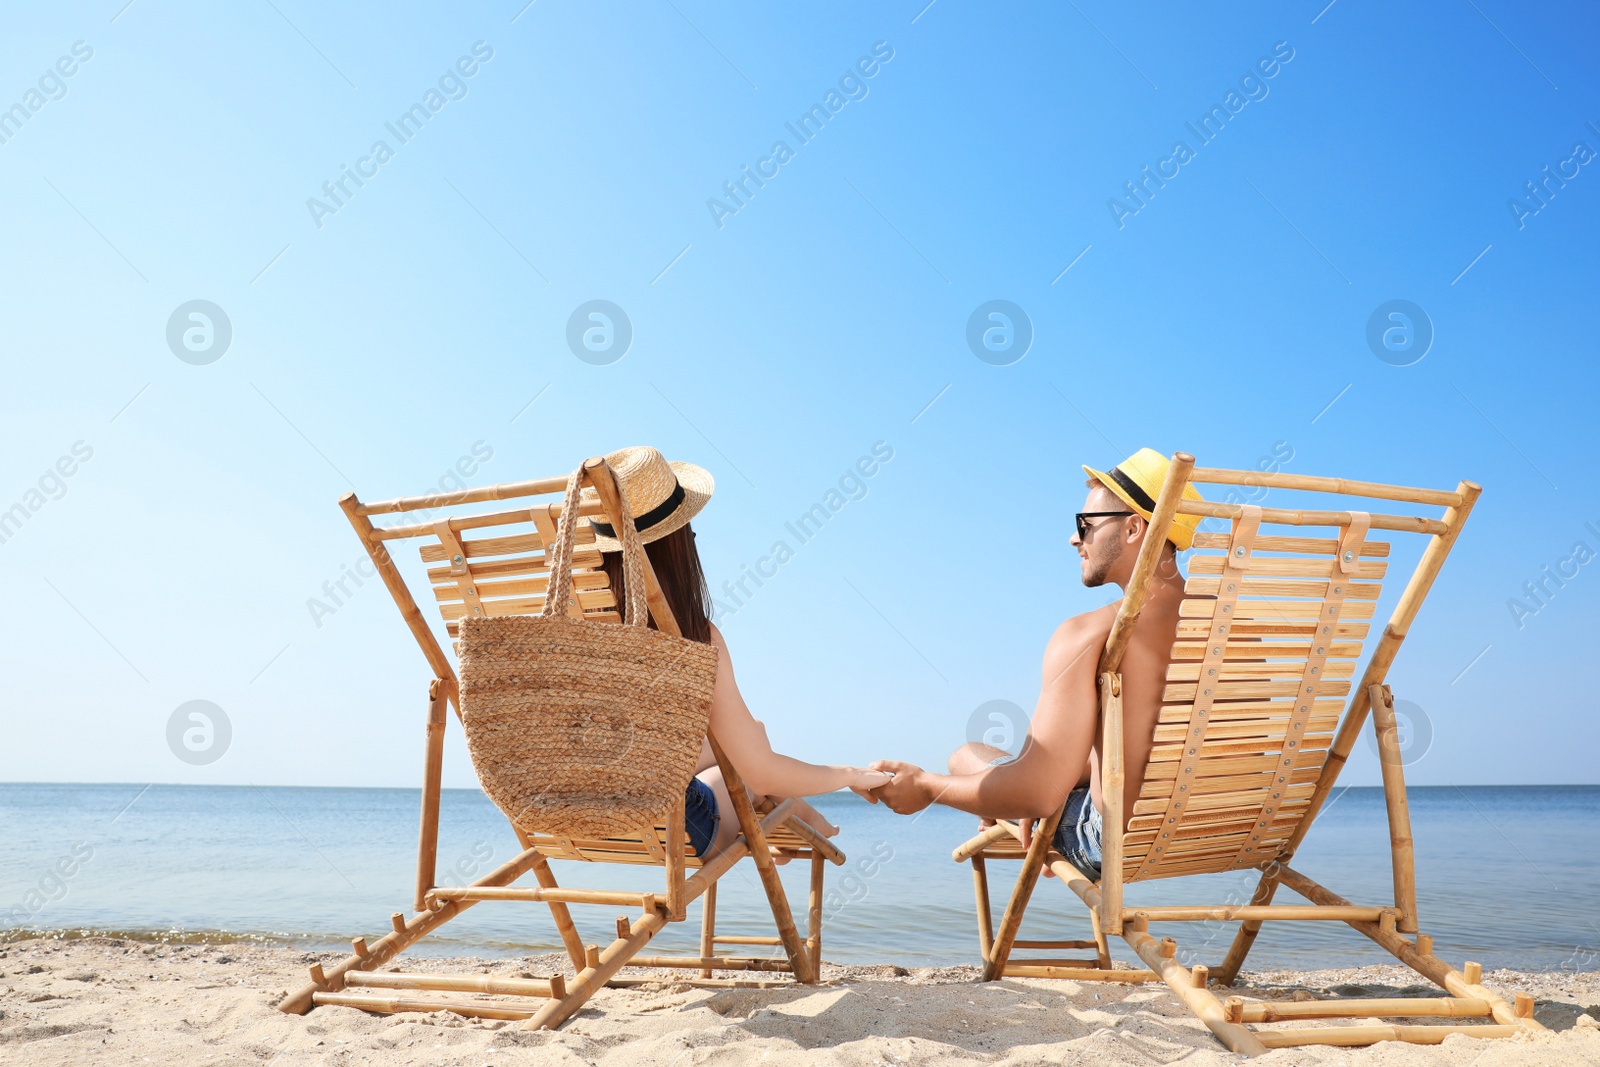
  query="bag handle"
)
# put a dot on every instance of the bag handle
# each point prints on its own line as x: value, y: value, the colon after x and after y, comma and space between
x: 558, y: 596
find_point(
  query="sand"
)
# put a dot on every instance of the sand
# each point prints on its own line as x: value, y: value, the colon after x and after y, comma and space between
x: 121, y: 1001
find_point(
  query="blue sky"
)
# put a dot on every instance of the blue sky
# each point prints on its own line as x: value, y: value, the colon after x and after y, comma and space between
x: 374, y: 345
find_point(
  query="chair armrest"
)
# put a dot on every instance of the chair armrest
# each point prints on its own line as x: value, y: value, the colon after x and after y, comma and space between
x: 821, y: 844
x: 1000, y: 830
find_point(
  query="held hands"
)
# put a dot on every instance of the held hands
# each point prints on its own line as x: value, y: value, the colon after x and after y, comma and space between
x: 866, y: 781
x: 907, y: 792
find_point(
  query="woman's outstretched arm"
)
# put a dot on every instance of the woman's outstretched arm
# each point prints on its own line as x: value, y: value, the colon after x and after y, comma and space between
x: 744, y: 739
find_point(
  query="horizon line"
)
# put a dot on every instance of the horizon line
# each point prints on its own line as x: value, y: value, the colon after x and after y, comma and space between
x: 479, y: 789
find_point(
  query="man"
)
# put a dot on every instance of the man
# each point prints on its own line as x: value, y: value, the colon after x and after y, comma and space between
x: 1059, y: 766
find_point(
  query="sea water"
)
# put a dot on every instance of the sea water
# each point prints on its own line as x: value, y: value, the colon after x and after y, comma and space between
x: 1506, y: 875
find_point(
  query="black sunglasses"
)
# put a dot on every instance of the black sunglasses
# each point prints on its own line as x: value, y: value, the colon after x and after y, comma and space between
x: 1083, y: 518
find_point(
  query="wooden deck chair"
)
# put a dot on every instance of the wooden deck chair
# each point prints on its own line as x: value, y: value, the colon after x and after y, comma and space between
x: 1253, y: 732
x: 502, y: 570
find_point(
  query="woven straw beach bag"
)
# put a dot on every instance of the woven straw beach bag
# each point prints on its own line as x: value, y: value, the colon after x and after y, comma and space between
x: 578, y: 728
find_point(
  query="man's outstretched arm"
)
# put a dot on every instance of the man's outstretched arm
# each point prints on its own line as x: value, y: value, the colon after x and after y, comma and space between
x: 1055, y: 756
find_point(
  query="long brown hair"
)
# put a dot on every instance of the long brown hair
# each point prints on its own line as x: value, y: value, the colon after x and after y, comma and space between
x: 677, y: 565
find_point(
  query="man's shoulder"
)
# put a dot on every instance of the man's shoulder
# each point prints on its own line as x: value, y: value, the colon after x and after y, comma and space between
x: 1082, y: 631
x: 1090, y: 624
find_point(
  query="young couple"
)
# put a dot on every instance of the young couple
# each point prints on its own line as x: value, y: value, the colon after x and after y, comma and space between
x: 1057, y: 769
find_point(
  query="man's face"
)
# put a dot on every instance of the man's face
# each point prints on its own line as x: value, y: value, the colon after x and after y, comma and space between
x: 1101, y: 547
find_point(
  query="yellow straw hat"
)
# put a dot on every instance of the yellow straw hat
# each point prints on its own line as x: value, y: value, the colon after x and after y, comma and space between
x: 1137, y: 482
x: 663, y: 496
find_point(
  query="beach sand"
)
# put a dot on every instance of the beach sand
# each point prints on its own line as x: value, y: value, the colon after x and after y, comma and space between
x: 116, y: 1000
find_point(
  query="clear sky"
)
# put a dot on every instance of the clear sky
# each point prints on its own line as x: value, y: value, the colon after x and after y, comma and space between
x: 377, y: 333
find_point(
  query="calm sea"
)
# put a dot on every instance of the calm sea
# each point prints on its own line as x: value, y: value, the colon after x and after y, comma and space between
x: 314, y: 867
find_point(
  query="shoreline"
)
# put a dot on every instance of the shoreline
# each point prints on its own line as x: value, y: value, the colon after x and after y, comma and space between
x: 99, y: 998
x: 336, y: 946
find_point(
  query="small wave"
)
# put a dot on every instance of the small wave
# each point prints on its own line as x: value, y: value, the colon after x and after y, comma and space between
x: 13, y: 934
x: 434, y: 945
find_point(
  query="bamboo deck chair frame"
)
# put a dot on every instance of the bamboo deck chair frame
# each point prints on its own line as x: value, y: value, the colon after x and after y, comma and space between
x: 1244, y: 746
x: 501, y: 576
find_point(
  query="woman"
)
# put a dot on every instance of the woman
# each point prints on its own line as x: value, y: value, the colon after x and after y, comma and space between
x: 663, y: 497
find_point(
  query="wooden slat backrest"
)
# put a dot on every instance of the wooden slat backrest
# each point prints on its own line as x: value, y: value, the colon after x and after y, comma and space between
x: 496, y: 564
x: 504, y: 570
x: 501, y: 569
x: 1278, y: 609
x: 1248, y: 713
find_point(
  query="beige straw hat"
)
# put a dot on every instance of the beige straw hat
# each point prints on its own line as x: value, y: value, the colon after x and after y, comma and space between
x: 663, y: 496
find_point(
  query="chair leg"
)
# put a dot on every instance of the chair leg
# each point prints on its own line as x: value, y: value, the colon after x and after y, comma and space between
x: 558, y: 911
x: 708, y: 928
x: 561, y: 914
x: 1246, y: 937
x: 1101, y: 949
x: 980, y: 889
x: 778, y: 900
x: 994, y: 964
x: 433, y: 762
x: 750, y: 827
x: 1402, y: 851
x: 814, y: 916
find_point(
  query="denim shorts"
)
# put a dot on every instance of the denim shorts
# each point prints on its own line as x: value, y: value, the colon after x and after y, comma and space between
x: 700, y: 817
x: 1078, y: 834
